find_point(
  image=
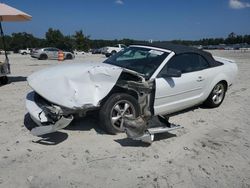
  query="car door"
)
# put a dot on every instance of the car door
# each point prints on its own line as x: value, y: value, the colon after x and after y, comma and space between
x: 54, y: 53
x: 49, y: 52
x: 177, y: 93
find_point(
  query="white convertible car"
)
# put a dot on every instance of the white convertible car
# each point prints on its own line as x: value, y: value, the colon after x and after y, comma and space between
x: 141, y: 81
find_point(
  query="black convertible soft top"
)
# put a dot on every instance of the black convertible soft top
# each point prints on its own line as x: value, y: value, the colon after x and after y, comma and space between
x: 180, y: 49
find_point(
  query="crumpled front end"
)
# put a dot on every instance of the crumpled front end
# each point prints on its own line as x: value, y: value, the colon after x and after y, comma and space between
x: 66, y: 90
x: 48, y: 117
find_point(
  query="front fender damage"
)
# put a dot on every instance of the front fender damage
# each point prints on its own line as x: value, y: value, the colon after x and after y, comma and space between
x: 136, y: 127
x: 146, y: 125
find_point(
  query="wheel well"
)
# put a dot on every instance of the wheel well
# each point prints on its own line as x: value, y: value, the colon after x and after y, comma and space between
x: 69, y: 56
x: 43, y: 54
x: 117, y: 89
x: 224, y: 82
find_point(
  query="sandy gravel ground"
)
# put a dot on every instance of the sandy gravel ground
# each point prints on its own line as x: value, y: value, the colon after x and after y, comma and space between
x: 212, y: 150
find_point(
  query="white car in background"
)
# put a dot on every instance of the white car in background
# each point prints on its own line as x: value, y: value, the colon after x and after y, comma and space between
x: 111, y: 50
x: 140, y: 81
x: 25, y: 51
x: 79, y: 52
x: 50, y: 53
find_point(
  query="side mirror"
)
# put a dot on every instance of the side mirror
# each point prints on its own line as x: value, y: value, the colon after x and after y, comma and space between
x: 172, y: 73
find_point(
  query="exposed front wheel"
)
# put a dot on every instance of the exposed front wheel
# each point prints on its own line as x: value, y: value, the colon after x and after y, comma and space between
x: 113, y: 111
x: 217, y: 96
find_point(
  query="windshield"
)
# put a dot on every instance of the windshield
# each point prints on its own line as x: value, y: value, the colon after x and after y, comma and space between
x: 139, y: 59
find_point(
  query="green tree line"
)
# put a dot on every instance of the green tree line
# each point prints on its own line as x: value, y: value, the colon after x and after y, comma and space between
x: 80, y: 41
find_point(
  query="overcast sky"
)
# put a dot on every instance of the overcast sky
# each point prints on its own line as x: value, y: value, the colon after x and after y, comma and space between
x: 136, y: 19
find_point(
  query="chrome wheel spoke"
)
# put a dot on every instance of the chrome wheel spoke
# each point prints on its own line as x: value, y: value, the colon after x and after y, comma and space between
x: 121, y: 124
x: 115, y: 119
x: 215, y: 97
x: 118, y: 108
x: 126, y: 107
x: 220, y: 91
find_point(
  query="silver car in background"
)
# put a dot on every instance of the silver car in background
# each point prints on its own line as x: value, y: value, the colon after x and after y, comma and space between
x: 50, y: 53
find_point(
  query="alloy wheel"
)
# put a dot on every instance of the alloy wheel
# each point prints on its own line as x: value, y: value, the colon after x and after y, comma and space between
x: 218, y: 93
x: 120, y: 110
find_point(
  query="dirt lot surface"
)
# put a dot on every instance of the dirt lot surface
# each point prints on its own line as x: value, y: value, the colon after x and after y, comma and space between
x: 212, y: 150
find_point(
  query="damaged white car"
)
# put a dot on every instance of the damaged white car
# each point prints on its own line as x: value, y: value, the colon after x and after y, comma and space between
x: 129, y: 88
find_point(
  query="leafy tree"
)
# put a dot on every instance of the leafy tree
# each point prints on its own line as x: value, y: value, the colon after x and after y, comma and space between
x: 54, y: 38
x: 81, y: 41
x: 7, y: 39
x: 21, y: 41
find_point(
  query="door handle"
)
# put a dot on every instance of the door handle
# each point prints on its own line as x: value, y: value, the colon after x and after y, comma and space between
x: 200, y: 79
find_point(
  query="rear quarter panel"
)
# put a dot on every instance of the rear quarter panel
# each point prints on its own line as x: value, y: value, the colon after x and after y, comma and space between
x: 226, y: 72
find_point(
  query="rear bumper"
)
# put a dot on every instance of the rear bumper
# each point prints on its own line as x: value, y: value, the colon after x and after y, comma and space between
x: 39, y: 116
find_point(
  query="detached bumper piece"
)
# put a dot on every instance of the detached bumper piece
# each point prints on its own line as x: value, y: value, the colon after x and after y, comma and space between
x: 148, y: 136
x: 60, y: 124
x: 145, y: 130
x: 48, y: 119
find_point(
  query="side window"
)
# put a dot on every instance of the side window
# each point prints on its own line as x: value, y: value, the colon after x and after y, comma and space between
x: 123, y: 46
x: 54, y: 49
x: 186, y: 63
x: 203, y: 63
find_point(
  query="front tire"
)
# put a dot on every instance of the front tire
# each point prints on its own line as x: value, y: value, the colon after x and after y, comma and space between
x: 216, y: 96
x: 113, y: 111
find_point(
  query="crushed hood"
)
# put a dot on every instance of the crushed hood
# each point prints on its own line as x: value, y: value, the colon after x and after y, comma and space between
x: 75, y: 85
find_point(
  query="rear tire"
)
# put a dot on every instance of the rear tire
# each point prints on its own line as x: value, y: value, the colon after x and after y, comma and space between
x: 69, y: 56
x: 107, y: 54
x: 216, y: 96
x: 43, y: 57
x: 116, y: 107
x: 113, y: 52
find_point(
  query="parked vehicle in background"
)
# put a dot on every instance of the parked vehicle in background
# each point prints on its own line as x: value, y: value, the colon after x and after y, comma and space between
x: 96, y: 51
x: 50, y: 53
x: 76, y: 52
x: 3, y: 52
x: 108, y: 51
x: 25, y: 51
